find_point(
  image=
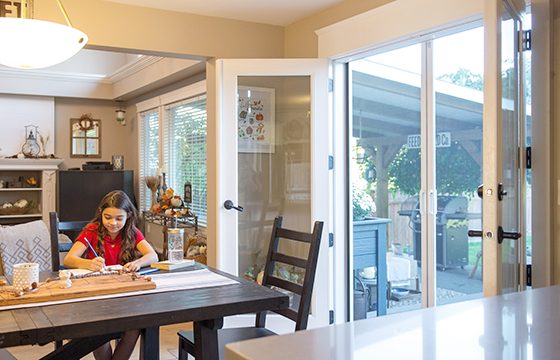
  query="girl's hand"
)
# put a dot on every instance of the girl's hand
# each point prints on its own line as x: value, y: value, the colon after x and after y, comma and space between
x: 96, y: 264
x: 132, y: 266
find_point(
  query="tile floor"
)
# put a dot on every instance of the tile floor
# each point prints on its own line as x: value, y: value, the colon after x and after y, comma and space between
x: 168, y: 346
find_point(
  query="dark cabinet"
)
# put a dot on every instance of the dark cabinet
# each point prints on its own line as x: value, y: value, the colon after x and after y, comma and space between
x: 80, y: 191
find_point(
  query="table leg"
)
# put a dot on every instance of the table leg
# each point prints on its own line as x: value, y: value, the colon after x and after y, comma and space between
x: 149, y: 343
x: 206, y: 339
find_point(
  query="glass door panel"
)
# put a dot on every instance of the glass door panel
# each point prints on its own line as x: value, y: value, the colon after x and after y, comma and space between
x: 458, y: 68
x: 384, y: 165
x: 510, y: 150
x: 274, y: 158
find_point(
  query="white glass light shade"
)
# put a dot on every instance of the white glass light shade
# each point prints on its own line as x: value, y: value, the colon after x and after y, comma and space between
x: 35, y: 44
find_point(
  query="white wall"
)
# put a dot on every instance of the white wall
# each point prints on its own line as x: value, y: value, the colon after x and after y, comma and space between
x: 18, y: 111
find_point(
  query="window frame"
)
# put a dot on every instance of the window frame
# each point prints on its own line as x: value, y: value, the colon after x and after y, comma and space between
x: 159, y: 104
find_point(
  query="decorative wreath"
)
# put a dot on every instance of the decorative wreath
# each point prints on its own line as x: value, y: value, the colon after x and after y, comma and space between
x: 85, y: 122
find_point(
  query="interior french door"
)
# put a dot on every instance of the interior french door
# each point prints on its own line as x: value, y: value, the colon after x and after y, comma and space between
x: 503, y: 167
x: 271, y: 136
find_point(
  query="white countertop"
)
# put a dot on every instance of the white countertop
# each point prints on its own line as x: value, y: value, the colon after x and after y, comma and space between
x: 514, y: 326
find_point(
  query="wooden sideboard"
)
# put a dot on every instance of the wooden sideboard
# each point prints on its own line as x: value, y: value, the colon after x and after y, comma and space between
x: 80, y: 191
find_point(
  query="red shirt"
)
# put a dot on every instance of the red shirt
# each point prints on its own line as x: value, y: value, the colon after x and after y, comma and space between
x: 111, y: 247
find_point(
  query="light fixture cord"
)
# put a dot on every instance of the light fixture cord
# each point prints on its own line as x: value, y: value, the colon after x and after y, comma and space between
x: 64, y: 13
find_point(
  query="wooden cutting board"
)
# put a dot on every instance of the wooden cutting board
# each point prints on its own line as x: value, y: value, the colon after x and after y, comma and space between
x: 82, y: 287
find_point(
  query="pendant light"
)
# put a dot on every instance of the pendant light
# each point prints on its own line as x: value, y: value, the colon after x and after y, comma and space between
x: 33, y: 44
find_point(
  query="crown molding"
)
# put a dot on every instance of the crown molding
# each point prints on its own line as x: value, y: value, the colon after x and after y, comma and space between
x: 133, y: 67
x: 52, y: 75
x: 124, y: 71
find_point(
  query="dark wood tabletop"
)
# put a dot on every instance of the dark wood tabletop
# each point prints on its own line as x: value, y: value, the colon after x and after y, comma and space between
x: 89, y: 324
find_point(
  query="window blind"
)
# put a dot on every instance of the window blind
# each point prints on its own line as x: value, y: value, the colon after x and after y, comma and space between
x: 149, y: 153
x: 185, y: 150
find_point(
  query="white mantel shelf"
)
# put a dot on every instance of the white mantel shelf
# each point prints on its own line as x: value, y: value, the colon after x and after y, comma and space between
x: 29, y: 164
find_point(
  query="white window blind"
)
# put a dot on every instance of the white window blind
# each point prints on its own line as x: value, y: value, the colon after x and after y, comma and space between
x: 185, y: 150
x: 149, y: 153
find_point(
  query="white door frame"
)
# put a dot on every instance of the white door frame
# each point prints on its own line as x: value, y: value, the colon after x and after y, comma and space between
x: 224, y: 169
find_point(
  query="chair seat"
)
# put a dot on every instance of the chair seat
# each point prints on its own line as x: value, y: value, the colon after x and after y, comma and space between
x: 225, y: 336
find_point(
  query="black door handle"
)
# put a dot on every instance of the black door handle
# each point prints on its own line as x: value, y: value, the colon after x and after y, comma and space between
x: 228, y: 204
x: 507, y: 235
x: 501, y: 234
x: 475, y: 233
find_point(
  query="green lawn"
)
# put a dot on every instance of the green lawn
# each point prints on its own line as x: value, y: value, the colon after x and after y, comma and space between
x: 474, y: 248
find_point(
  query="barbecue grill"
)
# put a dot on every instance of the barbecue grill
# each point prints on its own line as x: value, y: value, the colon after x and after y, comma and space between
x: 451, y: 241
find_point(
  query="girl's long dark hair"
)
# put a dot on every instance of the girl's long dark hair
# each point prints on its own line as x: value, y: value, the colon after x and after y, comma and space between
x: 118, y: 199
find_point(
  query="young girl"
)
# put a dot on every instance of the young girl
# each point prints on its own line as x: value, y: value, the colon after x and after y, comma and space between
x: 116, y: 240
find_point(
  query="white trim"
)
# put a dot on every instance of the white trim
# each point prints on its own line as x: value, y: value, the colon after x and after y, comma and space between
x: 342, y: 257
x: 183, y: 93
x: 396, y: 21
x: 133, y: 67
x: 543, y: 207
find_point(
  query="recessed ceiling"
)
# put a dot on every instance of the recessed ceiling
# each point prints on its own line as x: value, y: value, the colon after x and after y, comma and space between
x: 273, y: 12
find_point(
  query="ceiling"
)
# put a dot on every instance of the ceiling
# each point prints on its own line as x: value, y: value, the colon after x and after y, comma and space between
x: 108, y: 67
x: 273, y: 12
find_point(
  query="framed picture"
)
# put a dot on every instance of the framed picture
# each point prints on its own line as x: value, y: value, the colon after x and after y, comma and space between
x: 255, y: 119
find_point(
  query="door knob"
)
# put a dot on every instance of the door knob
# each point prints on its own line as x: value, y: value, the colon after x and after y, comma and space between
x: 480, y: 190
x: 228, y: 204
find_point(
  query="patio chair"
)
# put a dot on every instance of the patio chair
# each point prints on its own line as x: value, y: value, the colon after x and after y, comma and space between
x: 304, y: 290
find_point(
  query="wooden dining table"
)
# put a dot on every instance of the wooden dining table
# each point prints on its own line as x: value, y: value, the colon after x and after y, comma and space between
x: 88, y: 324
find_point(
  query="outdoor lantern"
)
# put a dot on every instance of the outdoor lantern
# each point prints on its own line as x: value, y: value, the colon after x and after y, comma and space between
x: 360, y: 154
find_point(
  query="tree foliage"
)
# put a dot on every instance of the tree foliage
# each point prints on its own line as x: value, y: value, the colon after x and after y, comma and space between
x: 457, y: 173
x: 464, y: 77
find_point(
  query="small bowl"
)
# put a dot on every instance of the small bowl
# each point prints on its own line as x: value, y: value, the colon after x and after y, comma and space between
x: 399, y: 293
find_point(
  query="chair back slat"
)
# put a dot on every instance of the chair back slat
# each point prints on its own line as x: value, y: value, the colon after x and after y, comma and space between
x: 305, y: 290
x: 290, y: 260
x: 284, y: 284
x: 71, y: 225
x: 55, y: 227
x: 294, y: 235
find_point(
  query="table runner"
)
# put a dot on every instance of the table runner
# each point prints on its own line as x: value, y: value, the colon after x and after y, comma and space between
x: 164, y: 282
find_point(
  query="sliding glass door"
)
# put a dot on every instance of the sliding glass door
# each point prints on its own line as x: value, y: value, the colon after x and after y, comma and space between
x: 415, y: 163
x: 385, y: 181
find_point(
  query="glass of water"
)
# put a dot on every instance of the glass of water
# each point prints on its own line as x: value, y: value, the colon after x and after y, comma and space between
x: 175, y: 244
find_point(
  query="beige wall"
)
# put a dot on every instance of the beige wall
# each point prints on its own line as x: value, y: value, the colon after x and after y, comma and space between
x: 115, y: 138
x: 300, y: 38
x: 118, y: 26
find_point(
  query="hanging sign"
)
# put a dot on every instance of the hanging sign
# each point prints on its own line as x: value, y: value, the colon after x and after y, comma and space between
x: 443, y: 139
x: 10, y: 9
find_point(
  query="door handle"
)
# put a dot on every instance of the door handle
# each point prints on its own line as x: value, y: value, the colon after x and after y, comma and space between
x: 501, y: 234
x: 507, y: 235
x: 475, y: 233
x: 228, y: 204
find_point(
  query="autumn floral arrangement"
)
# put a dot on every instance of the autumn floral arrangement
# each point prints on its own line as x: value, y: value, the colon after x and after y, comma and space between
x: 171, y: 205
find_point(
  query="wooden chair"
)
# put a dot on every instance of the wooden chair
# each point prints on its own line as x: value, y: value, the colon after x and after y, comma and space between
x: 69, y: 228
x: 304, y: 290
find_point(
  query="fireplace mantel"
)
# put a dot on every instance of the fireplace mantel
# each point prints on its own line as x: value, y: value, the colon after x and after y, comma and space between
x: 29, y: 164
